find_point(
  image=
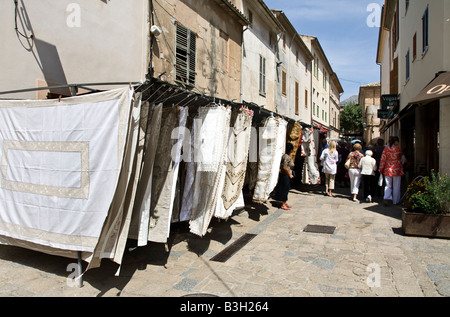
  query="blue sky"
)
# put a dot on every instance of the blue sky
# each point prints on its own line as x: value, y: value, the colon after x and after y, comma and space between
x: 344, y: 33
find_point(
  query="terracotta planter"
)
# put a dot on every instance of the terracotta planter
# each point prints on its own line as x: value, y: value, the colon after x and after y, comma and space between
x: 423, y: 225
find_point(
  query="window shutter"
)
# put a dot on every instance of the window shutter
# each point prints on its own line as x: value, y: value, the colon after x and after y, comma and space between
x: 185, y: 55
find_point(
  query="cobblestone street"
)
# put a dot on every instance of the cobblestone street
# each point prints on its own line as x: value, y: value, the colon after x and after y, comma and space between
x: 367, y: 255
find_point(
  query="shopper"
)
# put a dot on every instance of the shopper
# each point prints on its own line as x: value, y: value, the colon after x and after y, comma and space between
x: 329, y: 159
x: 368, y: 166
x: 377, y: 152
x: 284, y: 179
x: 392, y: 169
x: 354, y: 171
x: 341, y: 170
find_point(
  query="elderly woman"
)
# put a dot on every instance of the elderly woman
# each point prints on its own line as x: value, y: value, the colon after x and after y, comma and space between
x: 392, y: 169
x: 354, y: 171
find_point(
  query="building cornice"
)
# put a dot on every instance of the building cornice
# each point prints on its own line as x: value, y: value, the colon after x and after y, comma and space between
x: 233, y: 11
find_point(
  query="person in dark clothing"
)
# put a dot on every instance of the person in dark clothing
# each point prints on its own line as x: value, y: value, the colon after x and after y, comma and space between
x: 284, y: 179
x: 341, y: 170
x: 377, y: 152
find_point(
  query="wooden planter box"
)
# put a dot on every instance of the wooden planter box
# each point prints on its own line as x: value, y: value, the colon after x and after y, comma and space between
x: 423, y: 225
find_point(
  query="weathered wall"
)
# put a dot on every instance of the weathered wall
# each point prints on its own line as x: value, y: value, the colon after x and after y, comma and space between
x: 73, y: 42
x: 219, y: 38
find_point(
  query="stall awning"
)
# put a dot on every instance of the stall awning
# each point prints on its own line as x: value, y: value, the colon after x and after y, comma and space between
x: 321, y: 127
x: 437, y: 89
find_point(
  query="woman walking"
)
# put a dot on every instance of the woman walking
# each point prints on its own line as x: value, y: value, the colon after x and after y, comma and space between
x: 329, y: 158
x: 368, y: 166
x: 284, y: 179
x: 392, y: 169
x: 354, y: 171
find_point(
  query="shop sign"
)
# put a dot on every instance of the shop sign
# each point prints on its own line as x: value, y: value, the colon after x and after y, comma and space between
x: 389, y: 101
x: 383, y: 114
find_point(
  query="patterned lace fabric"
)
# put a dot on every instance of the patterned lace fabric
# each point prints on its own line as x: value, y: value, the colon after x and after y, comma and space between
x: 236, y: 164
x: 211, y: 151
x: 271, y: 150
x: 311, y: 174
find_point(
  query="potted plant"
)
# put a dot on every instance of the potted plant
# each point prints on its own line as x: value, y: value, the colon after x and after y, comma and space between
x: 427, y: 207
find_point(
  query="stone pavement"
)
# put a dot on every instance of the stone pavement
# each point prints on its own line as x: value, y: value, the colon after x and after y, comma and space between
x: 367, y: 256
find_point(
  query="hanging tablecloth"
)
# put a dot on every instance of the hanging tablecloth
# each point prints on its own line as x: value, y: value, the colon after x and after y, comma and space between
x: 210, y: 150
x: 141, y: 212
x: 66, y: 167
x: 271, y: 148
x: 233, y: 175
x: 165, y: 173
x: 311, y: 174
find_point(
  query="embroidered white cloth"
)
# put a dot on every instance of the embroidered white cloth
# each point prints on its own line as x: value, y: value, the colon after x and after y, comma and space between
x: 272, y: 146
x: 60, y: 168
x: 211, y: 149
x: 311, y: 174
x: 232, y: 180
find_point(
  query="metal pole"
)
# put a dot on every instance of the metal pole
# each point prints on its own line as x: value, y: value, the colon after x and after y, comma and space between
x: 80, y: 270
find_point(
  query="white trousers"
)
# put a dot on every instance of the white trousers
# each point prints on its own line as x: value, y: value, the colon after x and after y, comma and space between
x: 355, y: 180
x: 392, y: 188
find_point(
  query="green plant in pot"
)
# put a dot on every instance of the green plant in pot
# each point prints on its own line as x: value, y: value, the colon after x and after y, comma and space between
x: 429, y: 195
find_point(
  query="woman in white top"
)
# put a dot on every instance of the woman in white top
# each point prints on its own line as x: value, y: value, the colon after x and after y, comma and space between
x: 329, y: 158
x: 368, y: 166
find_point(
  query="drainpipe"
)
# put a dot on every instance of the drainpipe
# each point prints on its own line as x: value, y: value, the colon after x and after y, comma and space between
x: 150, y: 70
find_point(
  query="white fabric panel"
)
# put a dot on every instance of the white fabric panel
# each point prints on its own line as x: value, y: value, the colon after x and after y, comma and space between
x: 280, y: 149
x: 188, y: 194
x: 165, y: 174
x: 141, y: 213
x: 179, y: 134
x: 310, y: 174
x: 272, y: 145
x: 211, y: 148
x: 60, y: 163
x: 234, y: 171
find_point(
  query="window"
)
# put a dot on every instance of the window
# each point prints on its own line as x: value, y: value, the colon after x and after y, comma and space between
x: 306, y: 98
x: 414, y: 46
x: 407, y: 64
x: 395, y: 29
x: 283, y: 82
x: 316, y: 67
x: 314, y: 108
x: 185, y: 55
x: 297, y: 98
x: 262, y: 75
x: 324, y: 80
x: 425, y: 31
